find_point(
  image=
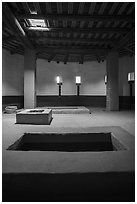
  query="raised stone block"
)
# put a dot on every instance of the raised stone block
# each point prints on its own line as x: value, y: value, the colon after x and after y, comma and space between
x: 34, y: 116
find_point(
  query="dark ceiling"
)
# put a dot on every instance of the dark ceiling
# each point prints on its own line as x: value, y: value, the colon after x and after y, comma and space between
x: 79, y: 31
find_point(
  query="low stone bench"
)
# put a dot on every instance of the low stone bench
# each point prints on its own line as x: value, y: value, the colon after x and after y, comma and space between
x: 10, y: 109
x: 34, y: 116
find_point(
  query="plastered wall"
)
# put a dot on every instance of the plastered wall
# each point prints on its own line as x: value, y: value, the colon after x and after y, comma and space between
x: 12, y: 74
x: 92, y: 75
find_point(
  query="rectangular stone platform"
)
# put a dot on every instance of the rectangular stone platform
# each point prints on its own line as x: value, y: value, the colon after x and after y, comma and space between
x: 68, y: 109
x: 34, y: 116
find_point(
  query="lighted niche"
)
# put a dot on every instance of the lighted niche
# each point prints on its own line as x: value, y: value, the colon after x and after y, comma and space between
x: 78, y: 80
x: 131, y: 77
x: 78, y: 83
x: 59, y: 80
x: 105, y: 79
x: 59, y: 83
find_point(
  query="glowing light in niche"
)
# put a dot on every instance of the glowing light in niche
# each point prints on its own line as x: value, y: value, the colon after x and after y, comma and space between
x: 78, y: 79
x: 105, y: 79
x: 131, y: 76
x: 59, y: 80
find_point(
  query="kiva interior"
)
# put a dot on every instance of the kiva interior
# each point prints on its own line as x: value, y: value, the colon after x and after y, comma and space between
x: 68, y: 101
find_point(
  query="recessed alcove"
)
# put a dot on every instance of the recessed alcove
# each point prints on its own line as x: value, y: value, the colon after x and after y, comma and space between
x: 68, y: 142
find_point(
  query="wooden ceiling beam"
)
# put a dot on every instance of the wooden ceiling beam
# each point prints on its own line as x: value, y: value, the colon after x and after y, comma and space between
x: 26, y: 7
x: 102, y: 8
x: 13, y: 44
x: 52, y: 56
x: 123, y: 7
x: 21, y: 52
x: 81, y: 7
x: 66, y: 58
x: 130, y: 37
x: 113, y: 8
x: 9, y: 38
x: 130, y: 50
x: 83, y: 40
x: 98, y: 58
x: 92, y: 8
x: 59, y: 7
x: 70, y: 8
x: 12, y: 28
x: 78, y: 17
x: 81, y: 60
x: 7, y: 46
x: 89, y: 30
x: 132, y: 8
x: 11, y: 20
x: 37, y: 7
x: 14, y: 4
x: 71, y: 50
x: 48, y: 7
x: 16, y: 51
x: 13, y: 48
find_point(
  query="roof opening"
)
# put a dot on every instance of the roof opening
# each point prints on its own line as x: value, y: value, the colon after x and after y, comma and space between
x: 37, y: 22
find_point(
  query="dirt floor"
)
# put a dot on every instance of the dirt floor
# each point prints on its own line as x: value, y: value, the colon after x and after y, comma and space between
x: 101, y: 176
x: 98, y: 117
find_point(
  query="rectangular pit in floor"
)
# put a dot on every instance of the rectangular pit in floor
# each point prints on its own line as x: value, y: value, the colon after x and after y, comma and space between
x: 34, y: 116
x: 68, y: 142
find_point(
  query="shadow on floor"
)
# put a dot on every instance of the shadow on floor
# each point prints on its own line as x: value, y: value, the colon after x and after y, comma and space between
x: 72, y: 187
x: 33, y: 123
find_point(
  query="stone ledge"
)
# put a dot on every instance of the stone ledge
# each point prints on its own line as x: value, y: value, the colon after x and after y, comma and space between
x: 34, y: 116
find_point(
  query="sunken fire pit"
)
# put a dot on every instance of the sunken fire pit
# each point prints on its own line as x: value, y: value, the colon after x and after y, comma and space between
x: 70, y: 174
x: 69, y: 142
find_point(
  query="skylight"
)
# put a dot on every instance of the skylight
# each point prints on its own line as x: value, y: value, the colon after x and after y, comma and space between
x: 37, y: 23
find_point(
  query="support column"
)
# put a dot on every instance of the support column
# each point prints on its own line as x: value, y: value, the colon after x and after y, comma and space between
x: 29, y: 78
x: 112, y: 69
